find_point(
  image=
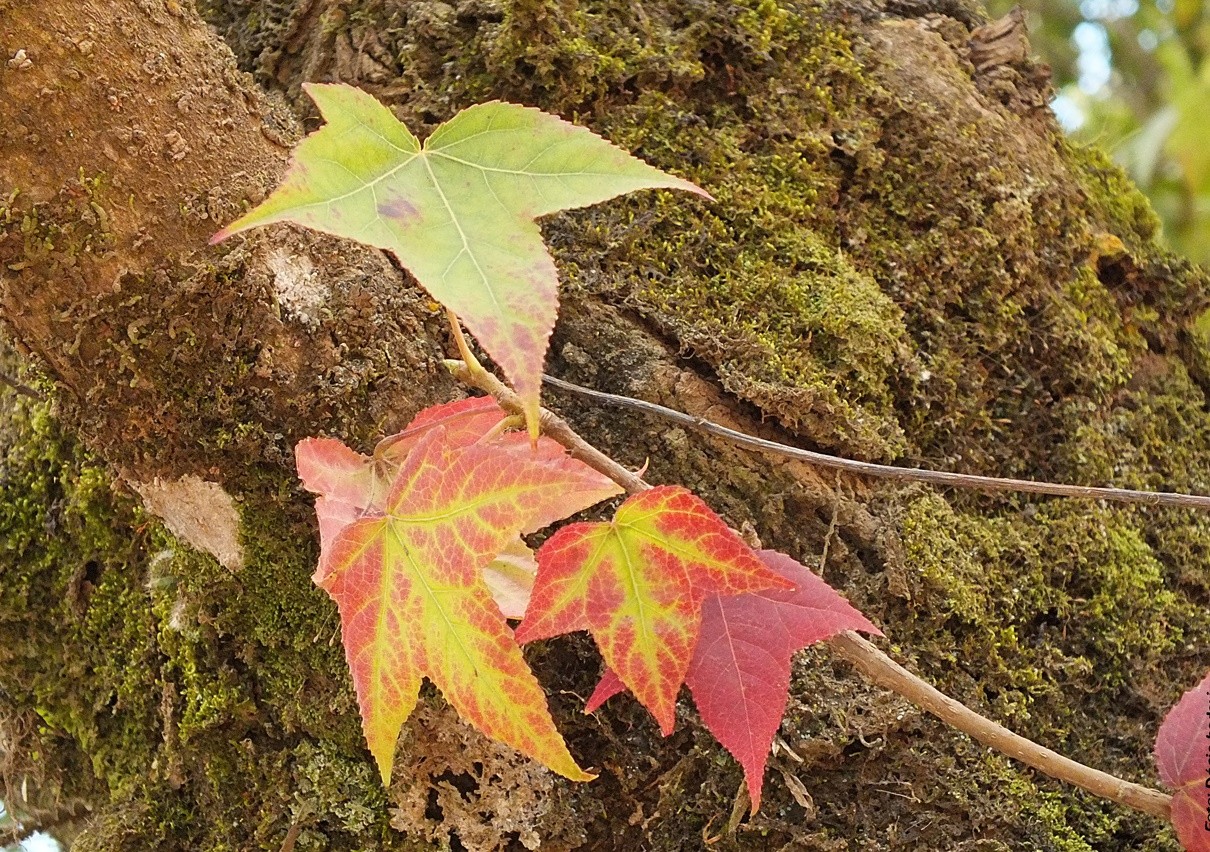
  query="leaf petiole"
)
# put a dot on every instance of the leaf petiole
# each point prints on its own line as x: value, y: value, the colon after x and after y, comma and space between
x: 464, y: 350
x: 508, y: 424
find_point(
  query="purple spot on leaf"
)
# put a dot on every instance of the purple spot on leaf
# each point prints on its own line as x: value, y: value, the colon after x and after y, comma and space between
x: 397, y: 208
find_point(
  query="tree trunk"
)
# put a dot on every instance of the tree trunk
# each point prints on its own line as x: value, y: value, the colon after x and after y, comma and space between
x: 905, y: 261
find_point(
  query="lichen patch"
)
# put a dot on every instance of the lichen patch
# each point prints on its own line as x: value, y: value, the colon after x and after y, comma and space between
x: 199, y: 512
x: 296, y: 284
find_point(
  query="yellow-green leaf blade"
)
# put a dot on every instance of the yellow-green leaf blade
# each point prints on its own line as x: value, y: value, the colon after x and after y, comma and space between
x: 340, y: 176
x: 536, y: 163
x: 459, y: 211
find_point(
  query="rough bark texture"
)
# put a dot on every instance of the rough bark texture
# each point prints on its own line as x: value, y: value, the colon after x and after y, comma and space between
x: 906, y: 261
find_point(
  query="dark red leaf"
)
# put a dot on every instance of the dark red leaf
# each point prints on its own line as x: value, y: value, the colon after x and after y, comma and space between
x: 1182, y: 755
x: 740, y: 671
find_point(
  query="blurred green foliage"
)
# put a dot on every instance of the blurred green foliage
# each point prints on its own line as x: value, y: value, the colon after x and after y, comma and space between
x: 1135, y: 76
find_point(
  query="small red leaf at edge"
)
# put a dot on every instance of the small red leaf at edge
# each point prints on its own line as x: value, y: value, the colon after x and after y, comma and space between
x: 1182, y: 755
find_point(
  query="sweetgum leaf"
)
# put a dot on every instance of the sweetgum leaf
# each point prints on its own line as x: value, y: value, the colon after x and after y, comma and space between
x: 352, y: 485
x: 1182, y: 755
x: 637, y: 584
x: 458, y: 212
x: 740, y: 671
x: 406, y: 537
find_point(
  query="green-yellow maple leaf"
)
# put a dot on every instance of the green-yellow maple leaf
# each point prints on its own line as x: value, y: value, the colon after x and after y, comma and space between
x: 458, y: 212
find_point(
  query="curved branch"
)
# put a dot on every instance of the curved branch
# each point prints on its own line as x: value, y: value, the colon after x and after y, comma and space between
x: 888, y: 674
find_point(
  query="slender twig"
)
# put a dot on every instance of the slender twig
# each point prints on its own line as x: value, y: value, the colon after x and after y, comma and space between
x: 902, y: 474
x: 866, y: 657
x: 24, y: 390
x: 552, y: 425
x: 477, y: 373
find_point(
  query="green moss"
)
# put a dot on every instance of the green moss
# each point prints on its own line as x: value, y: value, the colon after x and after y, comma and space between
x: 895, y: 266
x: 797, y: 330
x: 1112, y: 198
x: 188, y: 685
x: 947, y: 559
x: 1064, y: 588
x: 71, y: 581
x: 1051, y: 810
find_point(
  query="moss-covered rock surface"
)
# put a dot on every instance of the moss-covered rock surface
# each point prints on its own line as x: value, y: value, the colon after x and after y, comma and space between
x: 906, y: 261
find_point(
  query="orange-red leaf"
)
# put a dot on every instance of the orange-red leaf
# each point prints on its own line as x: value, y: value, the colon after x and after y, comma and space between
x: 740, y: 671
x: 353, y: 485
x: 406, y: 537
x: 637, y: 585
x: 1182, y: 754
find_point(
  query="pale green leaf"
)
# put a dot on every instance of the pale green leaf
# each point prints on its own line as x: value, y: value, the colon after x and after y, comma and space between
x: 458, y: 211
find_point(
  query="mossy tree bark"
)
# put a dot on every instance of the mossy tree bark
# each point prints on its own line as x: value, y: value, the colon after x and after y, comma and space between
x: 906, y: 261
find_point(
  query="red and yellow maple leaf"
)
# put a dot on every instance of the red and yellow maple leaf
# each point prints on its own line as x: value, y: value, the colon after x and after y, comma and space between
x: 740, y: 671
x: 637, y: 584
x: 351, y: 485
x: 405, y: 539
x: 1182, y: 755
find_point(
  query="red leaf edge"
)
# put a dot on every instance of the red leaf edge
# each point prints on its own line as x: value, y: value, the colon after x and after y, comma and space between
x: 775, y: 623
x: 1182, y: 756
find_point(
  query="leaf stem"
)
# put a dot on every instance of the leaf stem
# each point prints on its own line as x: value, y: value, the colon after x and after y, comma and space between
x: 901, y: 474
x: 865, y: 656
x: 552, y: 425
x: 475, y: 370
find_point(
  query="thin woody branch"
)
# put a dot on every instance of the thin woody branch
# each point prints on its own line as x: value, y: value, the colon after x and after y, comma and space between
x: 888, y: 674
x: 898, y: 474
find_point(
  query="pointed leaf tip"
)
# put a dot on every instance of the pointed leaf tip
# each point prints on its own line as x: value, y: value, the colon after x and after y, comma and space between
x: 607, y: 687
x: 458, y: 212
